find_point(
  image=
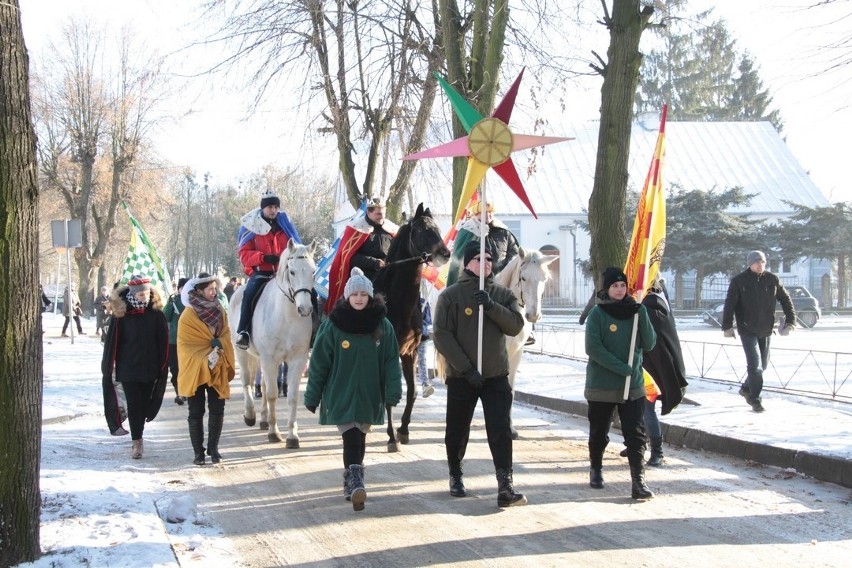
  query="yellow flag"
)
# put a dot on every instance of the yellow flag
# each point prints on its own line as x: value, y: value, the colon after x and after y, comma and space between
x: 649, y: 229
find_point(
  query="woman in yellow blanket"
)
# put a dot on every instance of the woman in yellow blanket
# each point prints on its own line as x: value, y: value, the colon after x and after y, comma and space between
x: 206, y: 358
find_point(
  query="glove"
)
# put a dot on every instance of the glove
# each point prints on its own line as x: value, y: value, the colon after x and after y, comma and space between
x: 312, y: 408
x: 730, y: 333
x: 474, y: 378
x: 271, y: 258
x: 215, y: 343
x: 483, y: 299
x: 785, y: 329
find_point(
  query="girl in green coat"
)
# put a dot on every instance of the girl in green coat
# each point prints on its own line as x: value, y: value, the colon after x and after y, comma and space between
x: 353, y: 374
x: 608, y: 335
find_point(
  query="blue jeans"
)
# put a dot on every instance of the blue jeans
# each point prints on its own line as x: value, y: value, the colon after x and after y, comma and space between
x: 249, y: 292
x: 652, y: 423
x: 422, y: 371
x: 757, y: 359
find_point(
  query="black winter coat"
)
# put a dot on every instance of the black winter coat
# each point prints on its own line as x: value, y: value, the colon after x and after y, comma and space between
x: 752, y: 298
x: 374, y: 249
x: 137, y: 343
x: 665, y: 361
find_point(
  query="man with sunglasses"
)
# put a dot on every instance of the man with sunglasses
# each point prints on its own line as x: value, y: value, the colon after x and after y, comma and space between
x: 455, y: 331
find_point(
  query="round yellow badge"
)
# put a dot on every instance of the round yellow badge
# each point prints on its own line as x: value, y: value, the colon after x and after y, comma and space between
x: 468, y: 311
x: 345, y: 344
x: 613, y: 328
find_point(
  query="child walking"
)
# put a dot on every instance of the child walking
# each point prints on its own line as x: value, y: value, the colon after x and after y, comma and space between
x: 353, y: 374
x: 422, y: 368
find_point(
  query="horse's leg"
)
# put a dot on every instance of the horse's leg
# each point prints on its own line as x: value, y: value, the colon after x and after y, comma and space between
x: 393, y: 446
x: 270, y: 397
x: 515, y: 349
x: 408, y: 362
x: 295, y: 368
x: 247, y: 372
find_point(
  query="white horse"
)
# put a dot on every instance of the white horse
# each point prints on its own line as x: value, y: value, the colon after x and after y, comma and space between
x: 281, y: 332
x: 526, y: 276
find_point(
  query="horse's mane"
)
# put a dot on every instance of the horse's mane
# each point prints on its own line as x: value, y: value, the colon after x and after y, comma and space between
x: 395, y: 252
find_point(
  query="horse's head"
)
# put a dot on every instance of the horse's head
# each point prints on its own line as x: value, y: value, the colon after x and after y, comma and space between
x: 425, y: 237
x: 531, y: 275
x: 296, y: 275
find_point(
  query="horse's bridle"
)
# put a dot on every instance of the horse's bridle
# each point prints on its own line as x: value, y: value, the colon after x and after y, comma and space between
x: 290, y: 294
x: 521, y: 301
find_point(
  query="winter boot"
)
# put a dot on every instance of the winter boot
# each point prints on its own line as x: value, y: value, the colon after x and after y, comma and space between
x: 257, y: 391
x: 347, y: 484
x: 639, y: 490
x: 214, y: 431
x: 596, y: 480
x: 656, y: 458
x: 196, y: 436
x: 356, y: 481
x: 506, y: 496
x: 456, y: 483
x: 136, y: 449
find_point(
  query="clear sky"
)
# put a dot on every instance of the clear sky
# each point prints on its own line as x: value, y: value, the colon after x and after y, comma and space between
x: 216, y: 136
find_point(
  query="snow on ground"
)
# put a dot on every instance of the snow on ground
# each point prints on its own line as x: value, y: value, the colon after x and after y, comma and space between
x: 101, y: 508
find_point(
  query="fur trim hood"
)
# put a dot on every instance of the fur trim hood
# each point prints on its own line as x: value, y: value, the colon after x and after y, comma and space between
x: 118, y: 300
x: 363, y: 226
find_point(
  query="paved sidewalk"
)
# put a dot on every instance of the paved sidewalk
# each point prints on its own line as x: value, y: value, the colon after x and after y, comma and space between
x: 813, y: 437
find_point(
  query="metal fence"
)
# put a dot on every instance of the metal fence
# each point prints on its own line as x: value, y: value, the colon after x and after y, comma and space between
x: 803, y: 372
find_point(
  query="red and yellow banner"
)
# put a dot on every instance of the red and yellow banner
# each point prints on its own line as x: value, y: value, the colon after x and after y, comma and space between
x: 649, y: 229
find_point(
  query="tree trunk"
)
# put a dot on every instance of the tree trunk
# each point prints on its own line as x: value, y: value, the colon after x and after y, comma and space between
x: 21, y: 354
x: 841, y: 281
x: 607, y: 207
x: 699, y: 286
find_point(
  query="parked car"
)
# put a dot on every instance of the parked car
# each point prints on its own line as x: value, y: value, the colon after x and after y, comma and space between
x: 807, y: 308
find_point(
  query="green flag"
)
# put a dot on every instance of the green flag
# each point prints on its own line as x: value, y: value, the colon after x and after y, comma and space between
x: 142, y: 258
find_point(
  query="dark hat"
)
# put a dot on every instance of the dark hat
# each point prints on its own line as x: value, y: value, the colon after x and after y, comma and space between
x: 755, y: 256
x: 268, y: 198
x: 182, y: 282
x: 471, y: 249
x: 612, y: 275
x: 138, y: 284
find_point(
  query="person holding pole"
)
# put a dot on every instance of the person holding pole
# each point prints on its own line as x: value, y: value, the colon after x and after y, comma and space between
x: 615, y: 365
x: 459, y: 331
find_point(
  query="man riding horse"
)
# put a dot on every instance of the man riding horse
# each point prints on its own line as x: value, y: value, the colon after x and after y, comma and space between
x: 263, y: 236
x: 364, y: 244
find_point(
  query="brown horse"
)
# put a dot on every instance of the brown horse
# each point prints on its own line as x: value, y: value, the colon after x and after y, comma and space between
x: 417, y: 242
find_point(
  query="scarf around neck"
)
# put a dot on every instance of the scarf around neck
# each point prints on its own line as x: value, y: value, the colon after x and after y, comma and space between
x: 621, y: 310
x: 208, y: 311
x: 359, y: 322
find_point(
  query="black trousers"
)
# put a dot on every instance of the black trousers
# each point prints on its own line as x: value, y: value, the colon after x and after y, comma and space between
x: 138, y: 397
x: 68, y: 320
x: 496, y: 396
x: 632, y: 417
x: 173, y: 365
x: 214, y: 403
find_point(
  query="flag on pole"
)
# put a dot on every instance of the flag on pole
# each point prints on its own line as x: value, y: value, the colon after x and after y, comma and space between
x: 649, y: 229
x: 142, y: 258
x: 321, y: 278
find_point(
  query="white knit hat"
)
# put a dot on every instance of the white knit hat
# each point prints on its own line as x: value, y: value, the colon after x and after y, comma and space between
x: 358, y: 283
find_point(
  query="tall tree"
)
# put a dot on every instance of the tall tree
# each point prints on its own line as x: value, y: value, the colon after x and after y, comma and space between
x: 607, y: 204
x: 20, y: 316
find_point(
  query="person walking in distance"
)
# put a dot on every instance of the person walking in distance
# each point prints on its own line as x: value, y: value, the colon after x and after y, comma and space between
x: 455, y: 333
x: 207, y: 363
x: 354, y: 374
x: 102, y: 311
x: 752, y: 295
x: 609, y: 328
x: 174, y: 308
x: 71, y: 308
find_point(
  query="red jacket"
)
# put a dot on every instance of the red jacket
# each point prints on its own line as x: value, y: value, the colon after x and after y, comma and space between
x: 251, y: 253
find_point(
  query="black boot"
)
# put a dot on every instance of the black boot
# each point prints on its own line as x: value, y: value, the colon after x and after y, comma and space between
x: 257, y: 391
x: 214, y: 430
x: 356, y: 481
x: 639, y: 489
x: 656, y: 458
x: 347, y: 484
x: 457, y: 484
x: 506, y: 496
x: 596, y: 480
x: 196, y: 436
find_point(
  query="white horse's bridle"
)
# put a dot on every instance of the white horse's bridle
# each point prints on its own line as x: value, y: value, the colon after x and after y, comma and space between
x: 289, y: 293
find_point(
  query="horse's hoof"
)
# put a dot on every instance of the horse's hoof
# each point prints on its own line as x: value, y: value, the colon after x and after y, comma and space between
x: 264, y: 425
x: 249, y: 421
x: 393, y: 447
x: 274, y: 438
x: 401, y: 438
x: 292, y: 443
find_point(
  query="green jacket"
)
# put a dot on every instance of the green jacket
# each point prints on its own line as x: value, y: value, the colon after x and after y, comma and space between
x: 608, y: 345
x: 172, y: 311
x: 351, y: 377
x: 455, y: 327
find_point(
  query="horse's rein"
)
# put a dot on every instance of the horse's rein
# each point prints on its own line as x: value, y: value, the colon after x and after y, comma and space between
x: 290, y: 294
x: 422, y: 258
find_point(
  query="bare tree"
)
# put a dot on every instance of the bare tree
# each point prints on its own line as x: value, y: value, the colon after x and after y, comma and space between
x: 607, y: 204
x: 21, y: 359
x: 86, y: 112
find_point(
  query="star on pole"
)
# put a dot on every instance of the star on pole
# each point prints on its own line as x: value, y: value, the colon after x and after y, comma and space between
x: 489, y: 144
